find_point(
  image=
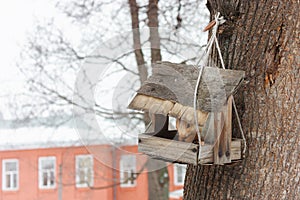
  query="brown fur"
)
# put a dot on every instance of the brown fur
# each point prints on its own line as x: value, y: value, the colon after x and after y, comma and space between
x: 187, y: 132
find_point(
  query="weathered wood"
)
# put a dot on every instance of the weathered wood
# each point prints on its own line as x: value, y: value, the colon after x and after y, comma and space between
x: 218, y: 126
x: 169, y: 150
x: 171, y: 135
x: 186, y: 114
x: 236, y: 149
x: 151, y: 104
x: 227, y: 135
x: 159, y: 127
x: 208, y: 130
x: 160, y: 123
x: 181, y: 152
x: 164, y: 107
x: 170, y: 92
x: 222, y: 150
x: 176, y: 83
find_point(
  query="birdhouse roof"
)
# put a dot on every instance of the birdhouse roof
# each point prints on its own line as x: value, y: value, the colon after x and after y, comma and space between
x: 170, y: 89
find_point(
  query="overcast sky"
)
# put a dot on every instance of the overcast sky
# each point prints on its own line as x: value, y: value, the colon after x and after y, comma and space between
x: 16, y: 18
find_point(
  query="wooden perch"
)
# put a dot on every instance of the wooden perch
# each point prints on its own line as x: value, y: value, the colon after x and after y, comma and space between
x: 165, y: 107
x: 182, y: 152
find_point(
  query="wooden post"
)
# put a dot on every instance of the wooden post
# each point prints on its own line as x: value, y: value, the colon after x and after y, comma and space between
x: 160, y: 123
x: 159, y: 127
x: 208, y: 130
x: 223, y: 132
x: 218, y: 122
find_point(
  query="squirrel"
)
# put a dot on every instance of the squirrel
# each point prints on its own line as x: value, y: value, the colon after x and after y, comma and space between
x: 187, y: 132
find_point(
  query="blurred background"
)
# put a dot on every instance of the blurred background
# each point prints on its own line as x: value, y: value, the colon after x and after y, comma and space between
x: 51, y: 147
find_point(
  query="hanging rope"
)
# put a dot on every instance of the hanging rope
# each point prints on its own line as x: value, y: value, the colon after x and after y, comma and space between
x: 240, y: 126
x: 219, y: 20
x: 213, y: 39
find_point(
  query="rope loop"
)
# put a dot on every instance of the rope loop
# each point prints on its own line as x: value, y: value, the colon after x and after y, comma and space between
x: 205, y: 58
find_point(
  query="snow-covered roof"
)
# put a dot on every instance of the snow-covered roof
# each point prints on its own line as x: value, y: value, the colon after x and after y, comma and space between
x: 48, y: 137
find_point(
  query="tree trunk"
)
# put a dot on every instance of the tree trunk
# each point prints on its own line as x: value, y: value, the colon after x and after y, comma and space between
x: 157, y: 179
x: 139, y: 56
x: 262, y: 38
x: 154, y: 34
x: 158, y: 182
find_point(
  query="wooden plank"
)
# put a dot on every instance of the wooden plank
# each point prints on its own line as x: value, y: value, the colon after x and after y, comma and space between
x: 160, y: 122
x: 151, y: 104
x: 236, y: 149
x: 170, y: 150
x: 171, y: 135
x: 208, y: 130
x: 186, y: 114
x: 227, y: 135
x: 164, y: 107
x: 222, y: 148
x: 176, y: 83
x: 139, y: 102
x: 218, y: 126
x: 181, y: 152
x: 206, y: 154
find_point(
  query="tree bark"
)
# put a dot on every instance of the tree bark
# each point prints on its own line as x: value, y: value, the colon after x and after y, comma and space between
x: 157, y: 181
x: 262, y: 38
x: 154, y: 34
x: 139, y: 56
x: 158, y: 188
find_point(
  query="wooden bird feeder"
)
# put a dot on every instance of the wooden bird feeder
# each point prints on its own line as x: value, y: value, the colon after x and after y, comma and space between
x: 170, y: 92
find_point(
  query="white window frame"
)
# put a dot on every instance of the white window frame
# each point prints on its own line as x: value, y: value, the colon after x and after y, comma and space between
x: 11, y: 173
x: 176, y: 173
x: 125, y: 162
x: 48, y: 171
x: 77, y: 178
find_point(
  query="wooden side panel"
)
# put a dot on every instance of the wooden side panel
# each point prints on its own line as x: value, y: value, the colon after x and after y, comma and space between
x: 169, y: 150
x: 223, y: 134
x: 208, y: 130
x: 227, y: 136
x: 218, y: 125
x: 236, y: 149
x: 160, y: 123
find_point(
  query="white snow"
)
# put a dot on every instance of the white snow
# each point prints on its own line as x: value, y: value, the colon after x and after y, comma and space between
x: 176, y: 194
x: 47, y: 137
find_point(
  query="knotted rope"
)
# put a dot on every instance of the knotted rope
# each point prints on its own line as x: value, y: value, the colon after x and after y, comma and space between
x: 213, y: 39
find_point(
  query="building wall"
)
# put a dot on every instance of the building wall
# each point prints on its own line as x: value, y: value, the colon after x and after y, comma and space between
x: 174, y: 187
x: 141, y: 189
x: 65, y: 158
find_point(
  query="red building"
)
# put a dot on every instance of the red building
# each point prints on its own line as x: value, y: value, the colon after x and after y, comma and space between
x: 46, y: 164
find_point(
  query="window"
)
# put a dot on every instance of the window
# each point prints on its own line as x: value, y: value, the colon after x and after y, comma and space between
x: 47, y: 172
x: 10, y: 174
x: 84, y: 171
x: 128, y: 170
x: 179, y: 174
